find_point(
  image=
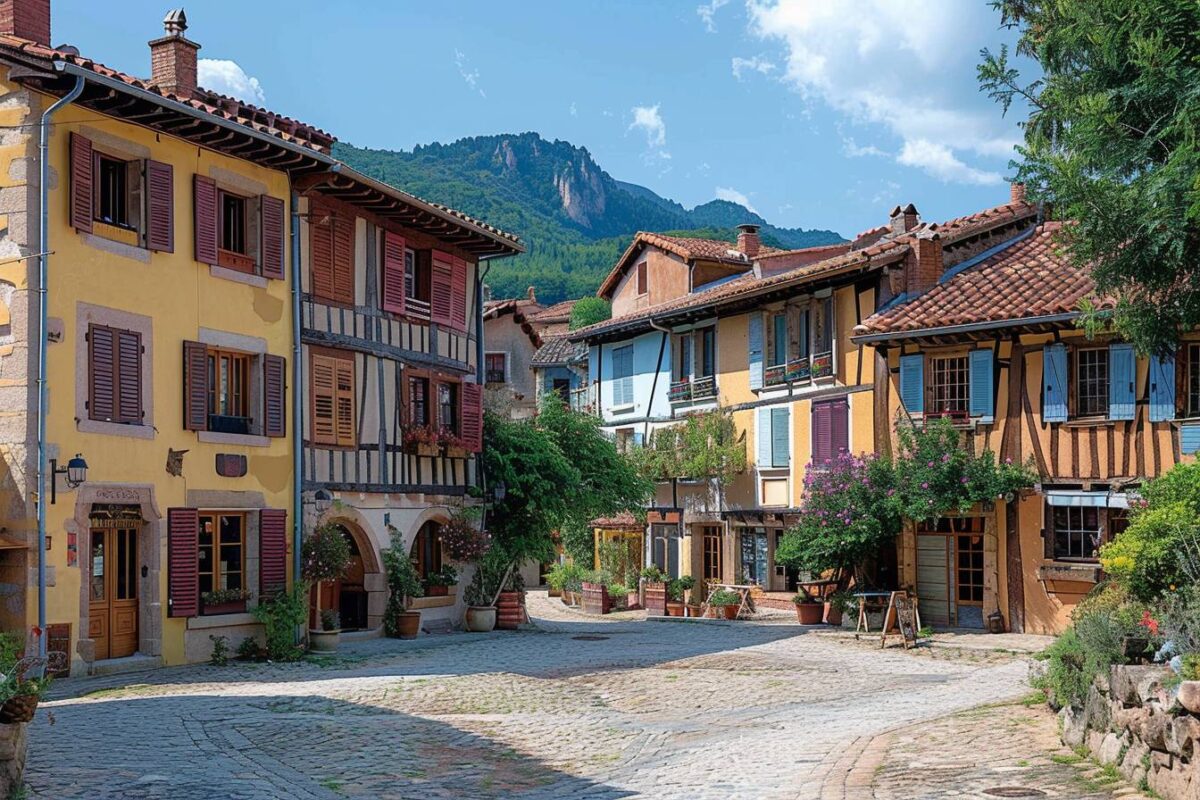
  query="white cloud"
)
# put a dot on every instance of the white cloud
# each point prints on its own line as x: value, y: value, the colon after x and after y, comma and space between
x: 707, y: 11
x: 470, y: 76
x: 852, y: 149
x: 734, y: 196
x: 227, y: 77
x: 649, y: 120
x: 573, y: 110
x: 890, y: 63
x: 756, y: 64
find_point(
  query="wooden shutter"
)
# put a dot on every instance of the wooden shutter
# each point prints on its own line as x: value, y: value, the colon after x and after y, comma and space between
x: 160, y: 207
x: 274, y: 402
x: 272, y: 551
x: 344, y: 406
x: 129, y: 377
x: 324, y: 401
x: 1189, y: 437
x: 912, y: 383
x: 1054, y: 378
x: 205, y: 219
x: 82, y: 177
x: 1122, y: 371
x: 183, y: 555
x: 764, y: 437
x: 458, y: 295
x: 1047, y: 530
x: 102, y: 359
x: 822, y: 433
x: 343, y: 259
x: 272, y: 236
x: 756, y: 351
x: 195, y: 386
x: 781, y: 449
x: 1162, y: 388
x: 441, y: 292
x: 982, y: 401
x: 320, y: 245
x: 839, y: 426
x: 472, y: 416
x: 393, y: 273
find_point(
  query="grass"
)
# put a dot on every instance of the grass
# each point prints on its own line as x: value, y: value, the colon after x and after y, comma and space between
x: 1066, y: 758
x: 333, y: 784
x: 1034, y: 698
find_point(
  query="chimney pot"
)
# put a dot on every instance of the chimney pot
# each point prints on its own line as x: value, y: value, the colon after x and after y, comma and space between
x: 532, y: 293
x: 26, y: 19
x: 748, y: 241
x: 904, y: 219
x: 173, y: 57
x: 1016, y: 192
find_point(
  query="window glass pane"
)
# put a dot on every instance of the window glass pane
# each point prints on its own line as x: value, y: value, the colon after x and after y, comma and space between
x: 804, y: 326
x: 1092, y: 382
x: 779, y: 339
x: 709, y: 353
x: 951, y: 382
x: 113, y: 191
x: 410, y: 273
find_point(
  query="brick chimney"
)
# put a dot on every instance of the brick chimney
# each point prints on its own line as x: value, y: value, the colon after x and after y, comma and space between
x: 748, y: 241
x: 924, y: 265
x: 1016, y: 193
x: 904, y: 219
x: 173, y: 57
x: 27, y: 19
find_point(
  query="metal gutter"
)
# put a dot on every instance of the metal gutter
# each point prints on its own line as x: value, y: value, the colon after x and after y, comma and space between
x: 297, y: 397
x: 970, y: 327
x: 43, y: 262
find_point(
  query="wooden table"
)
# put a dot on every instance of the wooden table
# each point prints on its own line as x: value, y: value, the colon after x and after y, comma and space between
x: 742, y: 590
x: 864, y: 599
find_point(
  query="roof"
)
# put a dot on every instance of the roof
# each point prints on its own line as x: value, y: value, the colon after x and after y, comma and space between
x: 556, y: 351
x: 521, y: 309
x: 560, y: 312
x: 686, y: 247
x: 622, y: 521
x: 1028, y: 279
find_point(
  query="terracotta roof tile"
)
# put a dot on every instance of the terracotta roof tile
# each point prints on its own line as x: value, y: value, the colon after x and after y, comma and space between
x: 557, y: 350
x: 559, y: 312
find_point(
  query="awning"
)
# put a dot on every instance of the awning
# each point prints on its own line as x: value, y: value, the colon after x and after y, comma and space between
x: 1068, y: 497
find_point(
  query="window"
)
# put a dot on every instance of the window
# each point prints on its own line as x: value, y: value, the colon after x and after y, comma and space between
x: 426, y: 553
x: 418, y: 401
x: 1091, y: 382
x: 332, y: 391
x: 624, y: 440
x: 222, y: 552
x: 822, y: 326
x: 113, y: 184
x: 951, y: 385
x: 228, y: 391
x: 642, y: 287
x: 236, y: 235
x: 410, y: 274
x: 1193, y: 380
x: 114, y: 375
x: 779, y: 341
x: 803, y: 323
x: 622, y: 375
x: 448, y: 407
x: 683, y: 361
x: 495, y: 367
x: 664, y: 549
x: 712, y: 553
x: 694, y: 365
x: 233, y: 223
x: 708, y: 352
x: 1077, y: 531
x: 562, y: 388
x: 804, y: 352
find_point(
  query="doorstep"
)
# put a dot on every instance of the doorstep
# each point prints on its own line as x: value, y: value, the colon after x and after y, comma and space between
x: 362, y: 635
x: 117, y: 666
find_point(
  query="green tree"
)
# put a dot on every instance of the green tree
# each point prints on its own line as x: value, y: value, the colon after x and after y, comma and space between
x: 1111, y: 143
x: 589, y: 311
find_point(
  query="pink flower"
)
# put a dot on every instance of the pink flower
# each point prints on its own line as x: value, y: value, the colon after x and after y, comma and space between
x: 925, y: 485
x: 963, y: 479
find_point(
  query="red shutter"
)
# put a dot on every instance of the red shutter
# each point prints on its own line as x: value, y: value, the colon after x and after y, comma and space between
x: 320, y: 245
x: 82, y: 193
x: 441, y: 292
x: 205, y: 219
x: 129, y: 377
x: 822, y: 436
x: 458, y: 295
x: 272, y: 236
x: 195, y: 386
x: 343, y: 260
x: 393, y: 273
x: 272, y: 551
x: 160, y: 207
x: 274, y: 403
x: 839, y: 426
x: 102, y: 359
x: 472, y: 416
x: 183, y: 554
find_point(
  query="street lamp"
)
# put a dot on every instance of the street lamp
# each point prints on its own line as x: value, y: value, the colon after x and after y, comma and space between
x: 75, y: 470
x: 323, y: 500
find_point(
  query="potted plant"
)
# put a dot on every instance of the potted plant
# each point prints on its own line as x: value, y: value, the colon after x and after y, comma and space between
x: 573, y: 584
x: 325, y: 554
x: 325, y: 639
x: 837, y: 605
x: 725, y: 602
x: 20, y: 692
x: 437, y: 584
x: 675, y: 598
x: 420, y: 439
x: 451, y: 443
x: 403, y: 583
x: 483, y: 594
x: 808, y: 610
x: 223, y: 601
x: 687, y: 586
x: 481, y: 613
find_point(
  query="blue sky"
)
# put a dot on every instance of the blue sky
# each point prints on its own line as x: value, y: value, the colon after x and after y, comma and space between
x: 816, y: 114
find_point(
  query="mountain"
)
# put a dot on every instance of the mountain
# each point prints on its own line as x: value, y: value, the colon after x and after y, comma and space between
x: 574, y: 218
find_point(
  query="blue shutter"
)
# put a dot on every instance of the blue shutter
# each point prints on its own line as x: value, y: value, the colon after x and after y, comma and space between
x: 1189, y: 437
x: 1054, y: 379
x: 1122, y: 371
x: 764, y: 437
x: 780, y: 445
x: 912, y: 383
x: 756, y: 351
x: 982, y: 400
x: 622, y: 373
x: 1162, y: 388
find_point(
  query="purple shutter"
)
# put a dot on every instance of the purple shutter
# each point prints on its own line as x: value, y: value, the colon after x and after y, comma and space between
x: 274, y: 387
x: 160, y: 207
x: 822, y: 435
x: 272, y: 551
x: 183, y: 555
x: 102, y: 355
x: 205, y: 219
x: 195, y: 386
x: 839, y: 426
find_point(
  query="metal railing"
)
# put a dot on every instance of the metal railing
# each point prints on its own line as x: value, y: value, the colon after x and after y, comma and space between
x: 688, y: 389
x: 583, y: 399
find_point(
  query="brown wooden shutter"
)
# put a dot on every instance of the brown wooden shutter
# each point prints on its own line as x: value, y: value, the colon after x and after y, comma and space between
x: 343, y: 260
x: 274, y: 402
x: 195, y: 386
x: 324, y: 401
x: 1047, y: 530
x: 441, y: 292
x: 472, y: 416
x: 160, y: 207
x: 839, y: 426
x: 129, y: 377
x: 272, y: 551
x: 393, y: 273
x: 272, y: 236
x: 183, y: 555
x: 320, y: 245
x: 205, y: 219
x: 344, y: 377
x: 102, y: 359
x: 458, y: 295
x: 82, y: 188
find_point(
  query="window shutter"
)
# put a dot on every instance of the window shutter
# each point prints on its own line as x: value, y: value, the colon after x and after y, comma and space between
x: 271, y: 232
x: 756, y: 351
x: 195, y: 386
x: 781, y: 449
x: 82, y: 192
x: 1048, y: 531
x: 441, y: 294
x: 1162, y: 388
x: 320, y: 245
x: 272, y: 551
x: 764, y: 437
x: 1189, y: 437
x: 393, y: 273
x: 458, y: 295
x: 344, y: 375
x: 622, y: 372
x: 129, y: 377
x: 160, y: 207
x: 101, y: 373
x: 183, y: 554
x: 205, y: 219
x: 982, y: 400
x: 274, y: 402
x: 822, y: 434
x: 343, y: 259
x: 912, y: 383
x: 472, y: 416
x: 324, y: 400
x: 1054, y: 378
x: 839, y: 426
x: 1121, y: 375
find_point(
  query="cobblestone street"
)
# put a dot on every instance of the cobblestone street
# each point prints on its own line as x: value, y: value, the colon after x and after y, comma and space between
x: 579, y: 708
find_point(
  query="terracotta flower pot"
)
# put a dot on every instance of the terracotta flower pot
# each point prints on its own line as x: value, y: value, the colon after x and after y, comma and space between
x: 692, y: 610
x: 408, y: 624
x: 809, y: 613
x: 833, y: 614
x: 510, y: 610
x: 731, y: 612
x: 323, y: 641
x: 674, y: 608
x: 19, y: 709
x: 481, y: 619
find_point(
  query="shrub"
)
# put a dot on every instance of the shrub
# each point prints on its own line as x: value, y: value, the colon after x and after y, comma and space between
x: 463, y: 538
x: 588, y: 311
x: 248, y: 649
x: 280, y: 616
x: 1151, y: 556
x: 325, y: 554
x: 1095, y: 642
x: 402, y: 580
x: 220, y: 650
x: 725, y: 597
x: 801, y: 597
x: 565, y: 577
x: 653, y: 574
x: 330, y: 620
x: 1066, y: 678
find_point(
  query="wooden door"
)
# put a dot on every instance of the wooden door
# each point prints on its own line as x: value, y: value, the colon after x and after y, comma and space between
x: 950, y: 571
x: 113, y: 606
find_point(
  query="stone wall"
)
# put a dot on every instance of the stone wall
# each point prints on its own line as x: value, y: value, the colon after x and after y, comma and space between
x: 1145, y: 724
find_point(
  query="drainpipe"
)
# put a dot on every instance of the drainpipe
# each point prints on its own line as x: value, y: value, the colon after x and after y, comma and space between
x: 479, y: 350
x: 297, y: 397
x: 662, y: 347
x: 43, y: 259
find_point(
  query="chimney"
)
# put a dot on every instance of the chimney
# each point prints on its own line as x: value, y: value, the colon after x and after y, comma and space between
x: 26, y: 19
x: 924, y: 265
x: 1016, y: 193
x: 748, y: 241
x: 173, y: 57
x: 904, y: 219
x: 531, y: 293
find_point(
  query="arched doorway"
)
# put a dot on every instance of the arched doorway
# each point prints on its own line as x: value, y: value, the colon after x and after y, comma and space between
x: 426, y: 551
x: 350, y: 596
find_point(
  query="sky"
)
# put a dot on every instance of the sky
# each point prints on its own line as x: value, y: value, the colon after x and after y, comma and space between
x: 814, y: 113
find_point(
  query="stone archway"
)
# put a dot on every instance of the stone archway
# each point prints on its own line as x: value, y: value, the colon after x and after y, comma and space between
x: 363, y: 593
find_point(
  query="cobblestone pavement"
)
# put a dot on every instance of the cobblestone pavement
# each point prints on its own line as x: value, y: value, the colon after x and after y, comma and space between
x: 578, y: 708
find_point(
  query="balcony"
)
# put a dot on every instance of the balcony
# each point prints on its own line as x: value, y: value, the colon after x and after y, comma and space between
x: 822, y: 365
x: 583, y: 399
x: 794, y: 371
x: 494, y: 376
x: 417, y: 309
x: 704, y: 388
x: 680, y: 391
x: 689, y: 390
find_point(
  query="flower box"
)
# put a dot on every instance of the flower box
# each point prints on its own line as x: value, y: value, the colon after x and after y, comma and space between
x: 228, y: 607
x: 775, y: 374
x: 822, y: 365
x: 656, y: 599
x: 797, y: 370
x: 454, y: 451
x: 437, y: 591
x: 680, y: 392
x: 428, y: 449
x: 596, y: 599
